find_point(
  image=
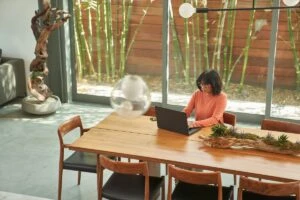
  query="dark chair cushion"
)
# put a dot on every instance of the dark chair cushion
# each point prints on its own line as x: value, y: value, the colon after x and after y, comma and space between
x: 81, y: 161
x: 253, y: 196
x: 130, y: 187
x: 187, y: 191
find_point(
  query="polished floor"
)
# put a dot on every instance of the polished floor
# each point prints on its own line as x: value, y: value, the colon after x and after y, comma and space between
x: 30, y: 151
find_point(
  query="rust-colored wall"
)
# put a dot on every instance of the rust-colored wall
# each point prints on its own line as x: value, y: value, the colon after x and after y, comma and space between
x: 146, y: 54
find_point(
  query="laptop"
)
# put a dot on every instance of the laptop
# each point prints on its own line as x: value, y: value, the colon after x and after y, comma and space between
x: 173, y: 120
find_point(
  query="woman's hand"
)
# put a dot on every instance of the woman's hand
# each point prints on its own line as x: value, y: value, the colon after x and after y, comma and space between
x: 191, y: 124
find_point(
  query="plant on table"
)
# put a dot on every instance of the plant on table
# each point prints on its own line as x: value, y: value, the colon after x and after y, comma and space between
x: 224, y: 137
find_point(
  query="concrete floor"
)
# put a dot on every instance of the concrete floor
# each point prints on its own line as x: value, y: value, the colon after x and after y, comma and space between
x: 30, y: 152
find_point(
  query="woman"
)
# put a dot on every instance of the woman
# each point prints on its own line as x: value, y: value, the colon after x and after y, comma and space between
x: 209, y: 102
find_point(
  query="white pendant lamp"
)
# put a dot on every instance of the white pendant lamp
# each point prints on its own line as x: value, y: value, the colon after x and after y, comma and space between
x: 290, y: 2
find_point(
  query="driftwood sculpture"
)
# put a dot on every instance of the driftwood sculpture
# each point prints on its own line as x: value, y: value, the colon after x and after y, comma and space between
x: 224, y: 138
x: 42, y: 24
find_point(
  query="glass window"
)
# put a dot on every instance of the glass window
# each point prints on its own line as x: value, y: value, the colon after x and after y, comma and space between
x: 115, y: 38
x: 235, y: 43
x: 286, y: 93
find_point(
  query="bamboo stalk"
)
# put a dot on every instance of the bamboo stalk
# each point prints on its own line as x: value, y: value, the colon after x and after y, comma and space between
x: 84, y: 42
x: 205, y: 36
x: 219, y: 46
x: 232, y: 39
x: 228, y: 41
x: 178, y: 58
x: 126, y: 15
x: 246, y: 49
x: 198, y: 41
x: 81, y: 33
x: 90, y: 38
x: 138, y: 28
x: 232, y: 68
x: 107, y: 46
x: 78, y: 48
x: 111, y: 40
x: 99, y: 47
x: 187, y: 52
x: 192, y: 24
x: 214, y: 55
x: 294, y: 48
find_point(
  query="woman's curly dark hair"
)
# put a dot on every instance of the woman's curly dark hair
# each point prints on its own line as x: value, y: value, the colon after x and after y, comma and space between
x: 212, y: 78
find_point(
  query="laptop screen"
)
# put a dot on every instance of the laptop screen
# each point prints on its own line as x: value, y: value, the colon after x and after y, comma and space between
x: 173, y: 120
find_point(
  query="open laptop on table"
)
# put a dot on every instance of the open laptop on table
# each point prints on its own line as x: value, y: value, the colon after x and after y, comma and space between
x: 173, y: 120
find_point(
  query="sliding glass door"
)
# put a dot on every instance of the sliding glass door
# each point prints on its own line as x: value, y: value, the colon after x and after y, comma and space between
x: 286, y: 94
x: 150, y: 39
x: 115, y: 38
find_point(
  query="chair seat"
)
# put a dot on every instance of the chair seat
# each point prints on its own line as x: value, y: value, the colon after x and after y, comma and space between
x: 81, y: 161
x: 130, y: 187
x: 253, y: 196
x: 187, y: 191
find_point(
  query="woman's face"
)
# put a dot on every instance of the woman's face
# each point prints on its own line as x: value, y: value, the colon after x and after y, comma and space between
x: 206, y: 88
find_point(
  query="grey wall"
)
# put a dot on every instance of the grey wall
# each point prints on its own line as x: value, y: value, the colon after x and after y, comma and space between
x: 16, y: 38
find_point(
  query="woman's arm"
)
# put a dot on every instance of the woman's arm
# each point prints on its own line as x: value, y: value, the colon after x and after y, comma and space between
x: 190, y: 106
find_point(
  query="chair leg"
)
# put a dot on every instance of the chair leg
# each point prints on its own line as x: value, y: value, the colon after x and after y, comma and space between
x: 234, y: 179
x: 163, y: 190
x: 79, y: 178
x: 60, y: 173
x: 166, y: 169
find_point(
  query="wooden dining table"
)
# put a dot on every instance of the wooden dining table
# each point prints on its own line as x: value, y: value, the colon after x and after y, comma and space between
x: 139, y: 138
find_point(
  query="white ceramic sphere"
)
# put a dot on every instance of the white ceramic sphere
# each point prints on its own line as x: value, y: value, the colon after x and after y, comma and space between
x: 130, y: 97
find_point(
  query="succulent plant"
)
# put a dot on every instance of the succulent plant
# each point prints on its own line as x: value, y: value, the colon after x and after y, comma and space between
x: 219, y: 130
x: 282, y: 139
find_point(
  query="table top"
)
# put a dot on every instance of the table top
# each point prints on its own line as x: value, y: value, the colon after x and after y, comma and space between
x: 140, y: 138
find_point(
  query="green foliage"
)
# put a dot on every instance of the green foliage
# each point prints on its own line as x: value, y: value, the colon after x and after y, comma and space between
x: 296, y: 146
x: 282, y: 139
x: 269, y: 139
x: 281, y: 142
x: 219, y: 130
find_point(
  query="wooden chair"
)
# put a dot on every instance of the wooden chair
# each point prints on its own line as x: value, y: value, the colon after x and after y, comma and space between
x: 197, y: 185
x: 150, y: 112
x: 275, y: 125
x: 128, y: 181
x: 77, y: 161
x: 256, y: 190
x: 229, y: 118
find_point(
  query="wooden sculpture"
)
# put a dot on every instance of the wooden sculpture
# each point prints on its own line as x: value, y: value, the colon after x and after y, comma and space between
x: 223, y: 137
x: 42, y: 24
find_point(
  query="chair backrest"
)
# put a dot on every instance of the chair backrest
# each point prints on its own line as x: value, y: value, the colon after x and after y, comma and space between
x: 193, y: 177
x: 150, y: 112
x: 66, y: 127
x: 276, y: 125
x: 268, y: 189
x: 123, y: 168
x: 229, y: 118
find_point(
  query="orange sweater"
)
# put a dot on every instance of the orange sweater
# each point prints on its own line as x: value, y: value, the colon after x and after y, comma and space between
x: 209, y: 109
